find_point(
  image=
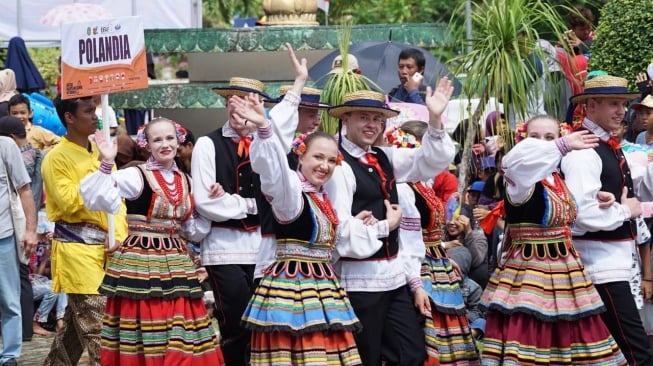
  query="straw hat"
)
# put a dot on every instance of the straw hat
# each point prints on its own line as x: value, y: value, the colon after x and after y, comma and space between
x: 363, y: 101
x: 605, y: 86
x: 241, y: 87
x: 647, y: 102
x: 310, y: 98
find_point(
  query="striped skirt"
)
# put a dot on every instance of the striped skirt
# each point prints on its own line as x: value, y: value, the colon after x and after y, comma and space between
x: 300, y: 315
x: 544, y: 310
x: 155, y: 314
x: 448, y: 339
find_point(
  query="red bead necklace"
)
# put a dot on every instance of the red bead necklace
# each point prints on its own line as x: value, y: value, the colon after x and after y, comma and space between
x: 325, y: 206
x: 174, y: 194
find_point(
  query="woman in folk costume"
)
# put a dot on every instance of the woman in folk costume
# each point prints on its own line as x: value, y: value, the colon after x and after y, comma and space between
x: 299, y: 314
x: 448, y: 336
x: 542, y: 306
x: 155, y: 314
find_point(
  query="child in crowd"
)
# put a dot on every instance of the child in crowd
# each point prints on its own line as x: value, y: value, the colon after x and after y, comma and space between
x: 644, y: 110
x: 37, y: 136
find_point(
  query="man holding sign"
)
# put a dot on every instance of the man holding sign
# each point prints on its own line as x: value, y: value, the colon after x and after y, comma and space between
x: 80, y: 235
x: 98, y: 57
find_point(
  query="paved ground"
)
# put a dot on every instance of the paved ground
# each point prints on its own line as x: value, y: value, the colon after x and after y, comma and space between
x: 34, y: 352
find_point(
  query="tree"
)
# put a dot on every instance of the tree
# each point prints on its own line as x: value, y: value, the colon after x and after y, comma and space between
x: 503, y: 41
x: 623, y: 39
x: 218, y: 13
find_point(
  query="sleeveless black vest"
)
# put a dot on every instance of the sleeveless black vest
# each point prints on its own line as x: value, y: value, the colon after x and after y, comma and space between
x: 236, y: 176
x: 614, y: 176
x: 529, y: 212
x: 369, y: 196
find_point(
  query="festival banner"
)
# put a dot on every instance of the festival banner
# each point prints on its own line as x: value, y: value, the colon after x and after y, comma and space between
x: 102, y: 57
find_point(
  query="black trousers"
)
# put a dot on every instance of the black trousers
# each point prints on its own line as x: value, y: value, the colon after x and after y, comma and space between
x: 26, y: 302
x: 391, y: 329
x: 232, y: 286
x: 624, y: 323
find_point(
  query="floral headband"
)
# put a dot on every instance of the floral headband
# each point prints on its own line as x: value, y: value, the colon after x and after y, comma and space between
x: 141, y: 139
x: 521, y: 132
x: 299, y: 147
x: 400, y: 138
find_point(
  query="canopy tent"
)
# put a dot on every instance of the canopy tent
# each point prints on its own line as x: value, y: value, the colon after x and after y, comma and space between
x: 23, y: 18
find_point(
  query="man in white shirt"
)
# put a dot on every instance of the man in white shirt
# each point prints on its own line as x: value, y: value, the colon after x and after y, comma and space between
x: 605, y: 237
x: 370, y: 267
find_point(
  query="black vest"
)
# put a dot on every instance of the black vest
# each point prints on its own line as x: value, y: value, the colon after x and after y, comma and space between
x: 141, y: 205
x: 529, y: 212
x: 369, y: 196
x: 614, y: 176
x: 301, y: 228
x: 236, y: 176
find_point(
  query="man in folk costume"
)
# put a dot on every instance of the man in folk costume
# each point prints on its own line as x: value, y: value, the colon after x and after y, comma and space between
x: 239, y: 223
x: 80, y: 242
x: 606, y: 237
x: 365, y: 183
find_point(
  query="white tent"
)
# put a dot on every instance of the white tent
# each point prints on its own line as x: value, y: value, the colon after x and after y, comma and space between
x: 23, y: 17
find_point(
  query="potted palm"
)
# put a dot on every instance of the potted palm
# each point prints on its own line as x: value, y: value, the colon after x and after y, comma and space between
x: 340, y: 83
x: 501, y: 61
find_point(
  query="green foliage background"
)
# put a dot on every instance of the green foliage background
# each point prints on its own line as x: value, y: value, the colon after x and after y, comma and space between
x: 623, y: 45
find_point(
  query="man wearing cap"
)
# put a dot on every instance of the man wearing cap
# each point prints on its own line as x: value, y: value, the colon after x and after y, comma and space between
x: 605, y: 237
x: 352, y: 64
x: 13, y: 169
x: 371, y: 270
x: 239, y: 229
x: 13, y: 127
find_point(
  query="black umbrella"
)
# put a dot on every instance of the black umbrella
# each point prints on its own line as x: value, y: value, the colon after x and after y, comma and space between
x: 378, y: 60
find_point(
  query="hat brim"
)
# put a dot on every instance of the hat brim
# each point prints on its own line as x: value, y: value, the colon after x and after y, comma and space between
x: 585, y: 96
x: 237, y: 90
x: 338, y: 111
x: 638, y: 106
x: 269, y: 103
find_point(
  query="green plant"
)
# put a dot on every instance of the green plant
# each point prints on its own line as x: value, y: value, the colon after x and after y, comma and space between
x: 341, y: 83
x: 622, y: 46
x: 500, y: 62
x: 218, y: 13
x: 46, y: 61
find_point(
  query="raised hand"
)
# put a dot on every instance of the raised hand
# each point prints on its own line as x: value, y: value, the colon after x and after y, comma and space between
x: 299, y: 66
x: 583, y: 139
x: 248, y: 109
x: 108, y: 149
x: 436, y: 101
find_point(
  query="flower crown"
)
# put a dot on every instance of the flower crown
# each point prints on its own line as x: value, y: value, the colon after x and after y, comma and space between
x: 299, y: 147
x: 521, y: 132
x: 400, y: 138
x: 141, y: 139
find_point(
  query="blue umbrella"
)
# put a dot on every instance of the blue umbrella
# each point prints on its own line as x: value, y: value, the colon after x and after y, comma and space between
x: 378, y: 61
x: 28, y: 77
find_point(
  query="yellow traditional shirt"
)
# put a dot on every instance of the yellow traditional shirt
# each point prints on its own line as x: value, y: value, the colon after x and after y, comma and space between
x: 77, y: 268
